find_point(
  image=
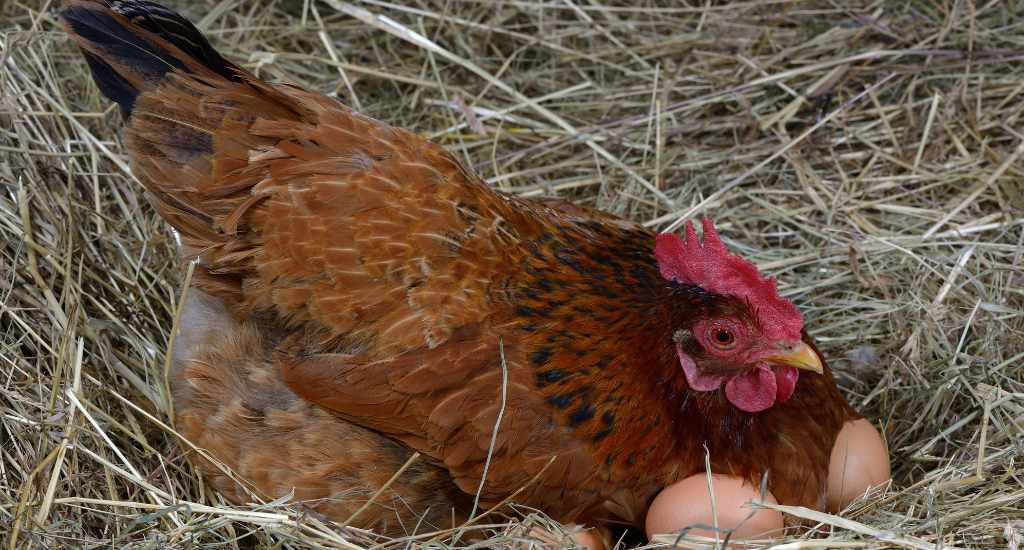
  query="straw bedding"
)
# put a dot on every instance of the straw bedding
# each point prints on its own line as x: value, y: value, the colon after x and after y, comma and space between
x: 868, y: 153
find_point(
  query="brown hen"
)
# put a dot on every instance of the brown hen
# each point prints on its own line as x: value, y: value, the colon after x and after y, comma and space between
x: 383, y: 299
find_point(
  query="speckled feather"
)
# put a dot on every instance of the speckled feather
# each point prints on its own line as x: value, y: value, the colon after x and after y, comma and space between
x: 393, y: 281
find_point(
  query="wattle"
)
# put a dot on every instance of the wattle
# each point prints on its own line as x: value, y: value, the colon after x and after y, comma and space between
x: 752, y: 391
x: 759, y: 388
x: 785, y: 382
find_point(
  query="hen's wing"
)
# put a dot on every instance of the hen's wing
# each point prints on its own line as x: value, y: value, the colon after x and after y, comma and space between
x: 371, y: 232
x: 446, y: 402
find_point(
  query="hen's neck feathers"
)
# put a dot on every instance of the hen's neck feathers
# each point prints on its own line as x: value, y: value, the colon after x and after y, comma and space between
x: 598, y: 322
x: 597, y: 326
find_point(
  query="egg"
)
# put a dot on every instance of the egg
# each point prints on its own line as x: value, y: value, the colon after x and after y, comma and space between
x: 591, y: 540
x: 688, y: 502
x: 859, y: 460
x: 583, y: 537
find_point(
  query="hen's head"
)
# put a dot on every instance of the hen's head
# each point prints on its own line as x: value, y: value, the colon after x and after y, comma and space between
x: 736, y: 330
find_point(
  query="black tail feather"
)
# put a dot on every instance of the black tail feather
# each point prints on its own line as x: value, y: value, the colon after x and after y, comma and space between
x: 132, y: 44
x: 111, y: 84
x: 174, y: 28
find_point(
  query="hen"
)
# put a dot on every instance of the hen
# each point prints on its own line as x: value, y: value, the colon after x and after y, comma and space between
x: 380, y: 298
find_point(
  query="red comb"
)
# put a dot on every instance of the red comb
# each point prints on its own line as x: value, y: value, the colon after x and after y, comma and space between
x: 711, y: 267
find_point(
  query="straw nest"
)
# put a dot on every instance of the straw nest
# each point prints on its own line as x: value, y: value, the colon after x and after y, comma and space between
x: 869, y: 153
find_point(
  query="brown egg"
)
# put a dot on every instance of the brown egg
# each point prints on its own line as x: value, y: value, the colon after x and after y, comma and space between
x: 688, y: 502
x: 859, y: 460
x: 590, y: 539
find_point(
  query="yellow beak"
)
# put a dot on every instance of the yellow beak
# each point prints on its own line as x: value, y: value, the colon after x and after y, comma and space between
x: 800, y: 356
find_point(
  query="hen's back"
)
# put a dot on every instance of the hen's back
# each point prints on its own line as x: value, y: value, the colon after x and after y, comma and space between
x: 300, y: 207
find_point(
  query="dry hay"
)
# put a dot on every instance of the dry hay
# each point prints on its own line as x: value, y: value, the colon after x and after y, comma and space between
x: 869, y: 153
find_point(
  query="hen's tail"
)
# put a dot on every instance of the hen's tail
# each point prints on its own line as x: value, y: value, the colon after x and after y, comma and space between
x: 190, y: 117
x: 131, y: 46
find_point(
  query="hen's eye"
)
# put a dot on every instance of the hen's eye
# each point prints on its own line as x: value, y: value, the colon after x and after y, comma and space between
x: 722, y: 338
